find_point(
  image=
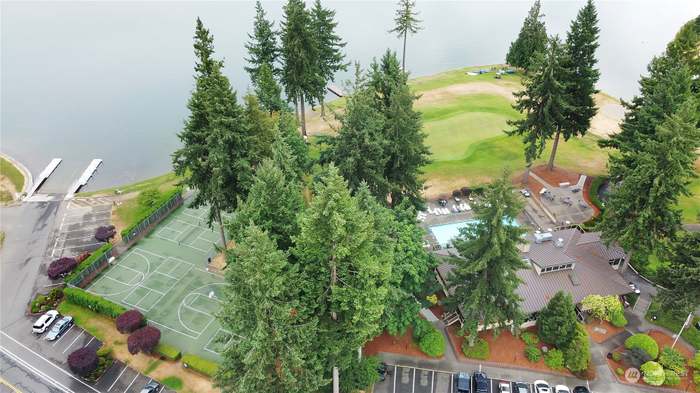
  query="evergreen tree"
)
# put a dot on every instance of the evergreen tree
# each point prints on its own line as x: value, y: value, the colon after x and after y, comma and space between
x: 556, y: 323
x: 385, y: 78
x: 261, y: 131
x: 213, y: 159
x: 405, y: 21
x: 299, y: 54
x: 681, y: 277
x: 544, y: 102
x: 641, y: 213
x: 531, y: 40
x: 684, y: 48
x: 484, y: 279
x: 267, y: 90
x: 273, y: 203
x: 274, y: 349
x: 344, y: 273
x: 262, y: 44
x: 581, y: 44
x: 330, y: 56
x: 287, y: 128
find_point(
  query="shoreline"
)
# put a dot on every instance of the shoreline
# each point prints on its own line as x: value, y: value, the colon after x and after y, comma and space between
x: 28, y: 179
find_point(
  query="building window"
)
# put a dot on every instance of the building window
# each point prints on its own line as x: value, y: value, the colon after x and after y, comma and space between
x: 614, y: 262
x: 548, y: 269
x: 568, y: 266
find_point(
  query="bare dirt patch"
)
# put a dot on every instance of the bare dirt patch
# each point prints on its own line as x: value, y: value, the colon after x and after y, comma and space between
x: 7, y: 189
x: 595, y: 331
x: 449, y: 92
x: 610, y: 113
x: 402, y: 345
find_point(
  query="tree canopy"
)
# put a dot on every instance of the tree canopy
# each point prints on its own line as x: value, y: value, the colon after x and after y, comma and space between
x: 681, y: 277
x: 262, y: 45
x: 556, y: 323
x: 405, y: 21
x: 331, y: 59
x: 531, y: 40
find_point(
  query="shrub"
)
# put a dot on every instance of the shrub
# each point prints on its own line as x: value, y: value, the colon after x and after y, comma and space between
x: 95, y: 255
x: 172, y: 382
x: 432, y: 344
x: 673, y: 360
x: 167, y: 351
x: 532, y: 353
x: 95, y: 303
x: 104, y: 351
x: 577, y: 353
x: 480, y: 349
x: 83, y: 361
x: 671, y: 378
x: 619, y: 371
x: 616, y: 356
x: 83, y: 256
x: 593, y: 191
x: 360, y: 375
x: 529, y: 338
x: 143, y: 340
x: 554, y: 359
x: 653, y: 373
x: 421, y: 327
x: 129, y: 321
x: 617, y: 318
x: 105, y: 233
x: 61, y: 267
x: 696, y: 377
x: 602, y: 307
x: 635, y: 357
x: 643, y: 342
x: 695, y: 362
x: 200, y: 365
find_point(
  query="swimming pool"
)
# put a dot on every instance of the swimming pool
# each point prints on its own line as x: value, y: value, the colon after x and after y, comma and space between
x: 447, y: 232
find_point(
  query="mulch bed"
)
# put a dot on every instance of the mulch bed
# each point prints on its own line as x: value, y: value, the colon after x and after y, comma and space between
x: 402, y: 345
x: 587, y: 196
x: 598, y: 337
x: 555, y: 176
x: 664, y: 340
x: 505, y: 349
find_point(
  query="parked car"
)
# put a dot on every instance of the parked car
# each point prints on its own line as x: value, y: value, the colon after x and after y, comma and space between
x: 561, y: 389
x: 463, y: 383
x: 44, y: 321
x: 503, y: 387
x: 59, y: 328
x: 581, y: 389
x: 383, y: 371
x: 151, y: 387
x: 525, y: 193
x: 521, y: 387
x: 541, y: 386
x: 481, y: 383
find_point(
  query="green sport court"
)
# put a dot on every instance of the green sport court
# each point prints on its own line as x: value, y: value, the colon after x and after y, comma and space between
x: 165, y: 276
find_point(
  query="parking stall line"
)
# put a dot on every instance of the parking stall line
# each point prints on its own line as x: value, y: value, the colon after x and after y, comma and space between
x: 413, y: 382
x: 432, y: 382
x: 74, y: 340
x: 63, y: 335
x: 88, y: 343
x: 452, y: 382
x: 161, y: 388
x: 132, y: 382
x: 395, y: 369
x: 120, y: 375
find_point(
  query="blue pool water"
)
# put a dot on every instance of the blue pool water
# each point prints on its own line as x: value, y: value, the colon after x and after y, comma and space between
x: 447, y: 232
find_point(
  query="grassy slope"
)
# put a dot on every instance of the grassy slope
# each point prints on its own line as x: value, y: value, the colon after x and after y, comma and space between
x: 164, y: 183
x: 12, y: 173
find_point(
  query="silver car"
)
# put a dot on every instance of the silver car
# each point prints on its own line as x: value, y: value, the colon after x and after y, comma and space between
x: 59, y: 328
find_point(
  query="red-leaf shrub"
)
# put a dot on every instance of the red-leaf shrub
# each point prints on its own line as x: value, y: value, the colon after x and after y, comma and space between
x: 83, y: 361
x: 144, y: 340
x: 104, y: 233
x: 61, y: 267
x: 129, y: 321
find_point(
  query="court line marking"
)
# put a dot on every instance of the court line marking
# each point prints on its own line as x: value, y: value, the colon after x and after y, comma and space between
x: 230, y: 340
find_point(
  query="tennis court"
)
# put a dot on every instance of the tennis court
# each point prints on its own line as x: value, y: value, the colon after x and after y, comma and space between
x: 165, y: 277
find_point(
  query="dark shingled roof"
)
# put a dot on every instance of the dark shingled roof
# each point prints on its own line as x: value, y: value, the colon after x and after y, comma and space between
x: 592, y: 274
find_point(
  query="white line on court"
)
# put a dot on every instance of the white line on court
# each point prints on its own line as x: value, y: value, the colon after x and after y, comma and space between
x: 132, y: 382
x: 119, y: 376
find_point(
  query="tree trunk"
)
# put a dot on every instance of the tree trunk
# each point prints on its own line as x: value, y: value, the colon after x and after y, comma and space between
x: 296, y: 108
x: 303, y: 117
x: 323, y: 108
x: 403, y: 55
x: 550, y: 166
x: 221, y: 227
x: 526, y: 175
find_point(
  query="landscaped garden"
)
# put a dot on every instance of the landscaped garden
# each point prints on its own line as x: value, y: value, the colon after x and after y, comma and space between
x: 668, y: 320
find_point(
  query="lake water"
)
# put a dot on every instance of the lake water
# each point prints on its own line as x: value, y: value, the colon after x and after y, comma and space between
x: 111, y: 80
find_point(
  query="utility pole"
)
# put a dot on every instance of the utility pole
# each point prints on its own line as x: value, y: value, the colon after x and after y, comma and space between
x: 688, y: 321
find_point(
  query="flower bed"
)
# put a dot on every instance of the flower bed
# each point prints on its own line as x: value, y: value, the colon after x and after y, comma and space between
x: 43, y: 303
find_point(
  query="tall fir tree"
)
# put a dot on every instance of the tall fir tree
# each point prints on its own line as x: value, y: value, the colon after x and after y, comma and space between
x: 531, y: 40
x: 581, y: 44
x: 681, y: 276
x: 684, y: 48
x: 406, y: 21
x: 331, y: 59
x: 484, y: 281
x: 268, y: 91
x: 213, y: 159
x: 287, y: 128
x: 556, y: 323
x: 299, y: 55
x: 274, y: 348
x: 262, y: 45
x: 641, y: 213
x: 261, y: 130
x: 344, y: 274
x: 544, y: 103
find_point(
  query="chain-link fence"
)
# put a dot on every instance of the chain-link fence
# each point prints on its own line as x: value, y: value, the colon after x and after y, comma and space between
x: 149, y: 222
x: 86, y: 275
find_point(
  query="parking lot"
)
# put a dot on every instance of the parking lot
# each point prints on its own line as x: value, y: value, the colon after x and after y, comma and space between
x: 76, y: 231
x: 406, y: 379
x: 119, y: 378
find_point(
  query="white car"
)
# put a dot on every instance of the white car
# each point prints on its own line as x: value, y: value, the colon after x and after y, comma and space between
x: 525, y: 193
x: 541, y: 386
x: 503, y: 387
x: 44, y: 322
x: 561, y: 389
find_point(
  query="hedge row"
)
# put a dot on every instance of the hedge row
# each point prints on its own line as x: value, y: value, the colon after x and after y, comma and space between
x: 95, y: 303
x: 144, y: 214
x: 593, y: 192
x: 88, y: 261
x: 201, y: 365
x: 168, y: 351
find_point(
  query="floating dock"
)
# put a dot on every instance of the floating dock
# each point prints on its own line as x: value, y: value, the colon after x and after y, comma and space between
x: 335, y: 90
x: 84, y: 178
x: 44, y: 175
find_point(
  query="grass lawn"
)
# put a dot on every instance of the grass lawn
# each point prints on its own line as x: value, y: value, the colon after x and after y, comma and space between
x: 12, y: 173
x: 163, y: 183
x: 665, y: 319
x: 691, y: 204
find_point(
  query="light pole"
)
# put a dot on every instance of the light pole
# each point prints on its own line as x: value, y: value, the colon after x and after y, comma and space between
x: 687, y: 321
